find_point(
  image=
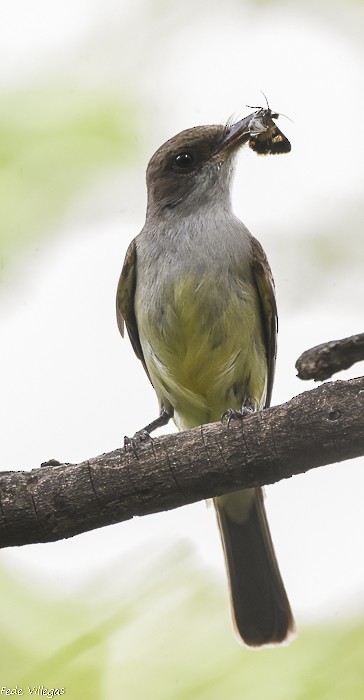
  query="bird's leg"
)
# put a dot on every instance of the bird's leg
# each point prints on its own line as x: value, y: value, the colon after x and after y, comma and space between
x: 162, y: 419
x: 144, y: 433
x: 247, y: 409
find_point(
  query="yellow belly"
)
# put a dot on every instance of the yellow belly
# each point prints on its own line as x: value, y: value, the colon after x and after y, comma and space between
x: 204, y: 349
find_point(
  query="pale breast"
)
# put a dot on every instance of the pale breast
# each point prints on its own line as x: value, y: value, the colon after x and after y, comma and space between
x: 202, y: 342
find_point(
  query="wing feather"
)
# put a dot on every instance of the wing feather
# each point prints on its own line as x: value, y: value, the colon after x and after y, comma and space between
x: 264, y: 282
x: 125, y: 296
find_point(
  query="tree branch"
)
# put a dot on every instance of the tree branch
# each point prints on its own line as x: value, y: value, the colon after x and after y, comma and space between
x: 324, y: 360
x: 316, y: 428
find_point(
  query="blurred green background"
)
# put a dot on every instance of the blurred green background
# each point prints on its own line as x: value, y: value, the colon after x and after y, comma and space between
x: 88, y: 90
x: 164, y: 636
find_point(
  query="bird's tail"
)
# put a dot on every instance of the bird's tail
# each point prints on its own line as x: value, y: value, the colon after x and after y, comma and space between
x: 260, y: 607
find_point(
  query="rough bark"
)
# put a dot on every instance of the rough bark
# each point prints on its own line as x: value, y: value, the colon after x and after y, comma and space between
x: 324, y: 360
x: 316, y: 428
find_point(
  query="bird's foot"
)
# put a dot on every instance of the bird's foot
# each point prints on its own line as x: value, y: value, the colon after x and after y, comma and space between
x: 143, y: 435
x: 140, y: 437
x: 246, y: 410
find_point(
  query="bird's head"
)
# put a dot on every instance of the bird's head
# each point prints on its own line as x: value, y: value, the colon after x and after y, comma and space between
x: 194, y: 168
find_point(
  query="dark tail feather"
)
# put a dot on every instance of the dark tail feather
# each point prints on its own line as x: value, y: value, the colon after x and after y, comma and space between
x: 260, y: 607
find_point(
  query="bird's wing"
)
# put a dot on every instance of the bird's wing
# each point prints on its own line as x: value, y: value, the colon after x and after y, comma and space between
x: 264, y: 282
x: 125, y: 295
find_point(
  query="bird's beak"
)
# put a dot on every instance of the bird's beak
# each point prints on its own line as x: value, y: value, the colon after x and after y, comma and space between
x: 235, y: 135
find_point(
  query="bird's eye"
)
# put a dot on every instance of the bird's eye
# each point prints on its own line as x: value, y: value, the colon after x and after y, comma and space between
x: 184, y: 160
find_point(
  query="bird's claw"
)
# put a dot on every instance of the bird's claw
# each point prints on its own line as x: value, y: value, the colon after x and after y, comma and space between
x: 141, y: 436
x: 231, y: 413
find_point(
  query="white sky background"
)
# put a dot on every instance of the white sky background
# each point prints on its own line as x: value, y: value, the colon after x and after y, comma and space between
x: 70, y: 388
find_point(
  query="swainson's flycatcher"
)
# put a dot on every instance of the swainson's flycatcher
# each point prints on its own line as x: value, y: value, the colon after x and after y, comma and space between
x: 197, y: 296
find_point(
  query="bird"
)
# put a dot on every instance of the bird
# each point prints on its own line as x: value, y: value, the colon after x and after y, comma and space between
x: 197, y: 297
